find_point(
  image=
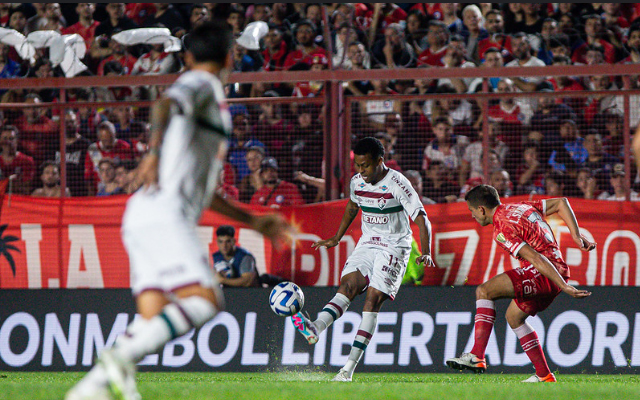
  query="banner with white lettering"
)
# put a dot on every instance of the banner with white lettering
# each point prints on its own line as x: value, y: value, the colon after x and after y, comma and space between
x: 75, y: 243
x: 64, y: 330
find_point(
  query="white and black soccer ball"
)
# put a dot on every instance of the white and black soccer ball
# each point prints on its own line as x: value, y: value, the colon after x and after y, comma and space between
x: 286, y: 299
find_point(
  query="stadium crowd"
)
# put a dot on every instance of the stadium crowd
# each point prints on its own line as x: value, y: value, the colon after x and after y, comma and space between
x: 563, y: 146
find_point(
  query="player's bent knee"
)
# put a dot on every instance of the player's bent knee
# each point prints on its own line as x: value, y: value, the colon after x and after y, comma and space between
x: 482, y: 292
x: 197, y: 309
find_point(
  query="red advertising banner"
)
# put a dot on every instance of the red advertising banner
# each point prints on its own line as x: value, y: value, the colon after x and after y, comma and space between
x: 75, y: 243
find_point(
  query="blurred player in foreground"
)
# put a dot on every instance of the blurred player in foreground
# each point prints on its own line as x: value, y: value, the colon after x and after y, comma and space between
x: 174, y: 287
x: 521, y: 230
x: 379, y: 261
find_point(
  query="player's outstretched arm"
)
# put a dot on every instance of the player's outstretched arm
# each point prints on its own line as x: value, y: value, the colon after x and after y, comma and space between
x: 147, y: 172
x: 350, y: 214
x: 561, y: 206
x: 272, y: 226
x: 424, y: 225
x: 542, y: 264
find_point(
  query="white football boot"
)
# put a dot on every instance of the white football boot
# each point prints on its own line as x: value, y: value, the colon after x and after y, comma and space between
x: 121, y: 375
x: 342, y: 376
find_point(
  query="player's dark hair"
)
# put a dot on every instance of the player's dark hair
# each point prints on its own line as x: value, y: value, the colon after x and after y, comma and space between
x: 210, y: 42
x: 371, y: 146
x: 483, y: 195
x: 226, y: 230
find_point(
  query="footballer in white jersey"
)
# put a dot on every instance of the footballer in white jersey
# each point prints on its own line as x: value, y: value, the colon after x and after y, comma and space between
x: 379, y: 261
x: 171, y: 277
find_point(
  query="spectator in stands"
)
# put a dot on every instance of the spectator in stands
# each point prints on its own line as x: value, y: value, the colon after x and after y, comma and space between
x: 50, y: 177
x: 556, y: 184
x: 18, y: 20
x: 34, y: 23
x: 234, y: 266
x: 236, y: 20
x: 375, y: 111
x: 524, y: 58
x: 600, y: 162
x: 55, y: 21
x: 393, y: 51
x: 450, y: 17
x: 438, y: 186
x: 345, y: 34
x: 567, y: 84
x: 446, y: 148
x: 198, y: 14
x: 120, y: 54
x: 107, y: 146
x: 473, y: 31
x: 500, y: 180
x: 38, y: 131
x: 497, y: 38
x: 387, y: 142
x: 275, y: 192
x: 459, y: 111
x: 532, y: 20
x: 530, y: 171
x: 456, y: 57
x: 437, y: 39
x: 107, y: 172
x: 86, y: 25
x: 272, y: 128
x: 166, y: 15
x: 8, y: 68
x: 261, y: 12
x: 416, y: 31
x: 633, y: 45
x: 572, y: 153
x: 514, y: 117
x: 88, y: 118
x: 276, y: 50
x: 548, y: 31
x: 124, y: 119
x: 547, y: 120
x: 586, y: 184
x: 13, y: 162
x: 304, y: 33
x: 312, y: 88
x: 600, y: 103
x: 155, y: 62
x: 493, y: 58
x: 226, y: 187
x: 241, y: 140
x: 613, y: 133
x: 416, y: 182
x: 593, y: 31
x: 384, y: 15
x: 252, y: 182
x: 116, y: 21
x: 306, y: 146
x: 359, y: 59
x: 76, y: 148
x: 471, y: 165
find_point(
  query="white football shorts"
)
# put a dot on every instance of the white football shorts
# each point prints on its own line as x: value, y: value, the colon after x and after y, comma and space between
x: 383, y: 270
x: 166, y: 256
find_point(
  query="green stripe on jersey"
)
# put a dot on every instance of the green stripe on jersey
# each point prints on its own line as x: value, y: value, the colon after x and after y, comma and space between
x: 214, y: 128
x: 389, y: 210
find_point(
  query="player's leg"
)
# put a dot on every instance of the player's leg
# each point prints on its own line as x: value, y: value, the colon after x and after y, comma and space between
x: 498, y: 287
x: 530, y: 343
x: 351, y: 285
x: 368, y: 324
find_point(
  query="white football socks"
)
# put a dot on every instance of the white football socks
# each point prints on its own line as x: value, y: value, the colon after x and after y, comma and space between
x: 361, y: 341
x: 334, y: 309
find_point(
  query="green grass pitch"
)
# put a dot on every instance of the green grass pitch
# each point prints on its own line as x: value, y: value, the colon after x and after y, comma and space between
x: 317, y: 386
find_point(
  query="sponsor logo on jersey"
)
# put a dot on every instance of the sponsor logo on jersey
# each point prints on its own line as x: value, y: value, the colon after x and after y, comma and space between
x: 362, y: 185
x: 382, y: 202
x: 374, y: 219
x: 279, y: 199
x: 384, y: 188
x: 401, y: 185
x: 500, y: 238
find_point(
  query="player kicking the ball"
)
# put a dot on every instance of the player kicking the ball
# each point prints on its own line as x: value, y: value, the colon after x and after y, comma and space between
x: 174, y: 286
x: 521, y: 230
x: 379, y: 261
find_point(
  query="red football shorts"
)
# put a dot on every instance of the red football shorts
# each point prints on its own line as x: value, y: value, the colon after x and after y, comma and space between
x: 534, y: 291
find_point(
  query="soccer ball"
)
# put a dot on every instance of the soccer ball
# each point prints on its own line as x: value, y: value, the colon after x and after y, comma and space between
x: 286, y: 299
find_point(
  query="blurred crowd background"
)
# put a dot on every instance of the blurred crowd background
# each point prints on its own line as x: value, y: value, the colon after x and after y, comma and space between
x: 558, y: 146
